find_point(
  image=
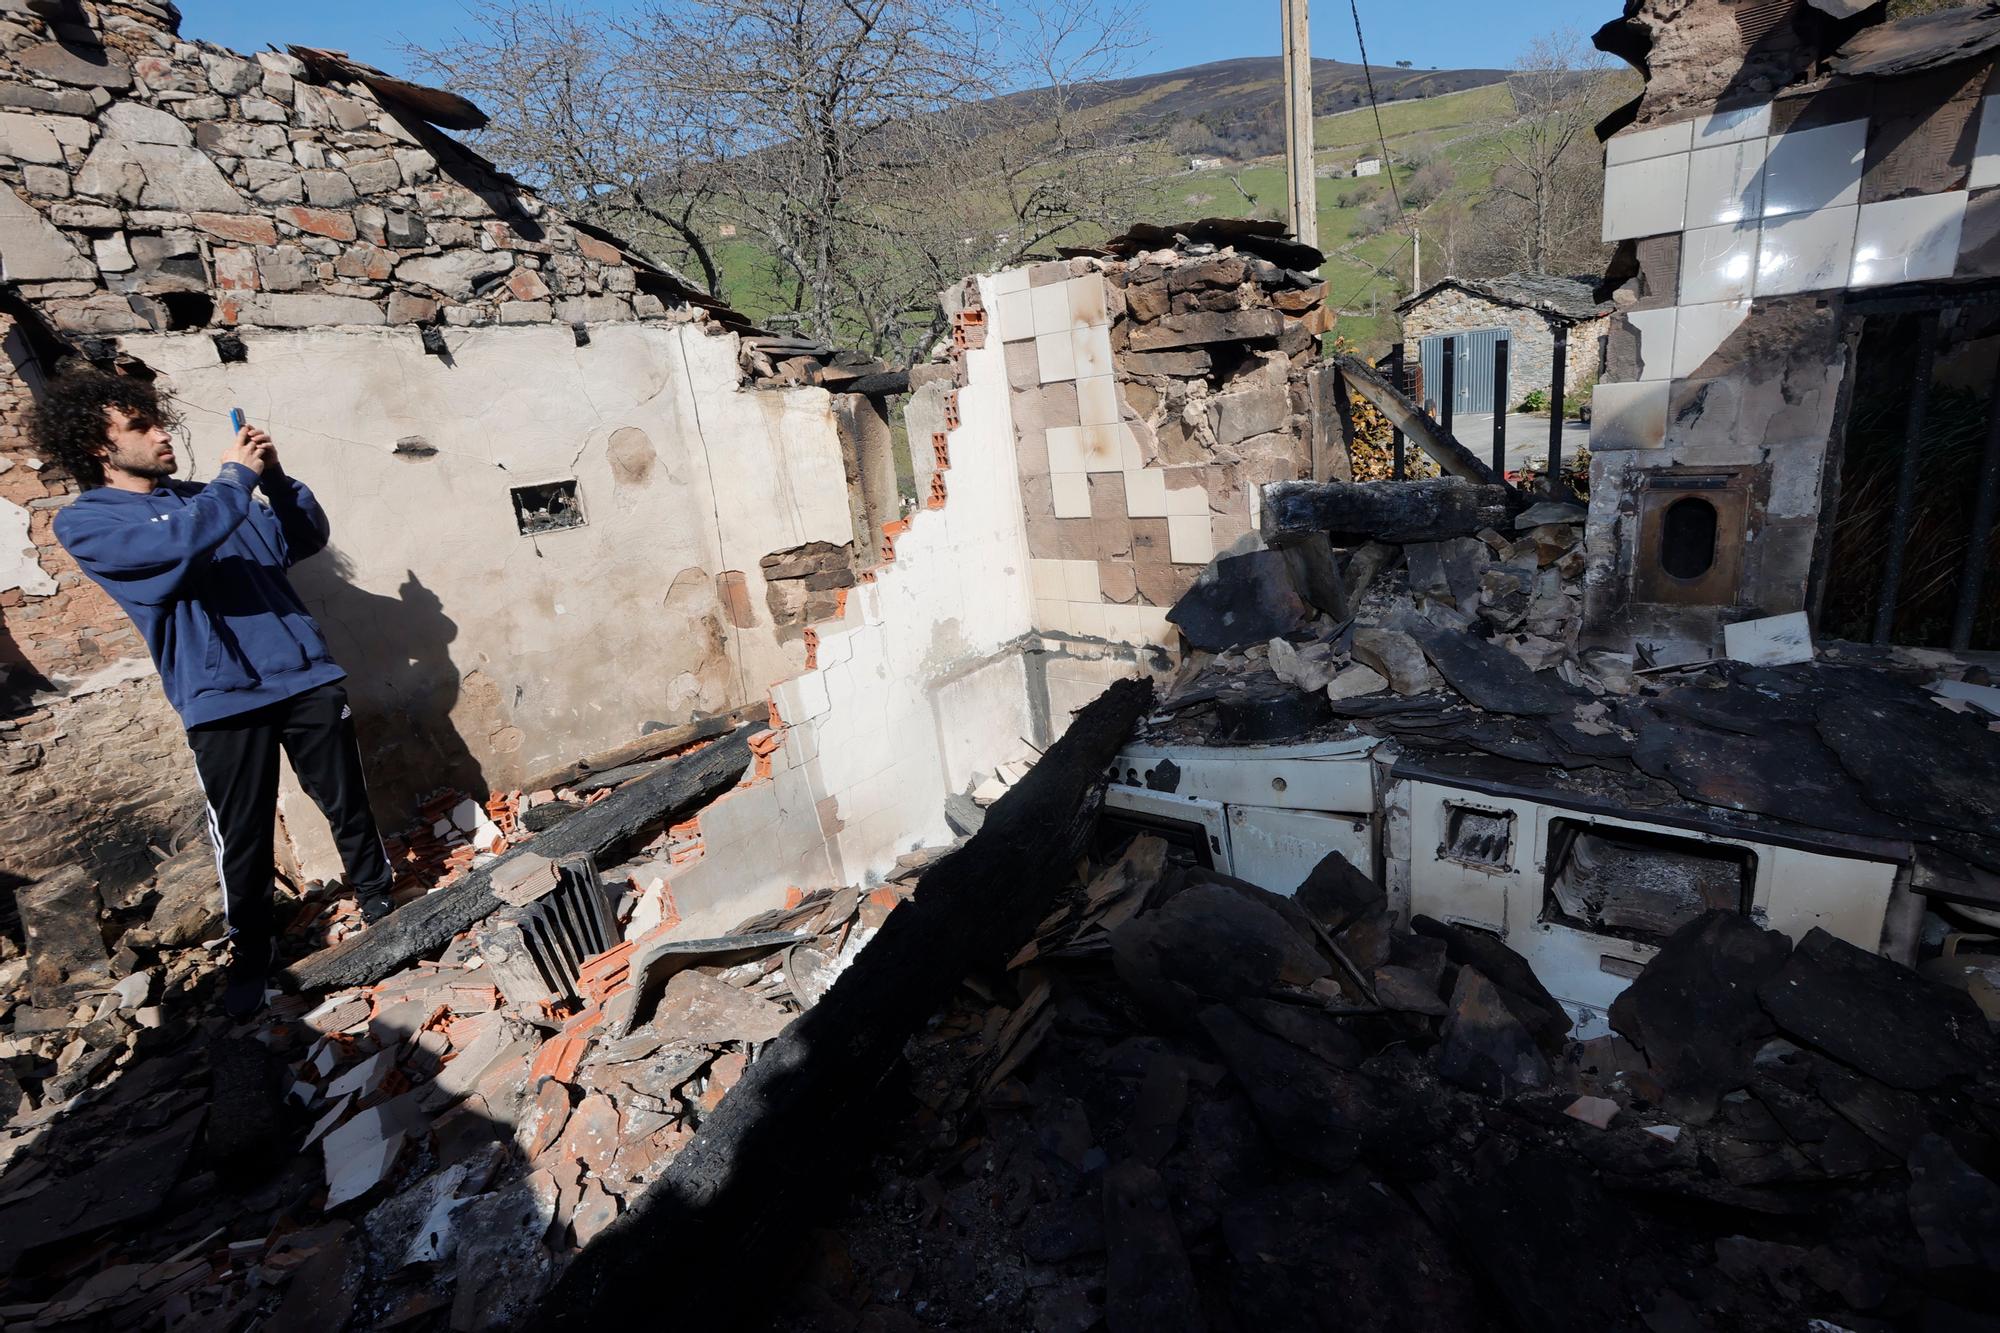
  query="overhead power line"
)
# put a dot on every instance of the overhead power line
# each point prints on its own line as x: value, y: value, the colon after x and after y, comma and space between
x: 1381, y: 137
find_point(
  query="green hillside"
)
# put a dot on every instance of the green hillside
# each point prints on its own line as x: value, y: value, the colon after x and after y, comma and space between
x: 1445, y: 132
x: 1368, y: 254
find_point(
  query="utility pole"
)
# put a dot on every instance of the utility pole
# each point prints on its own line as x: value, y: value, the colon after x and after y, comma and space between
x: 1303, y: 189
x: 1416, y: 260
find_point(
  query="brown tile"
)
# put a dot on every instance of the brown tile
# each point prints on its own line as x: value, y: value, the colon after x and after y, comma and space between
x: 1979, y: 240
x: 1024, y: 369
x: 1113, y: 537
x: 1227, y: 528
x: 1037, y: 496
x: 1187, y: 479
x: 1827, y: 107
x: 1107, y: 495
x: 1059, y: 404
x: 1044, y: 537
x: 1026, y: 407
x: 1149, y: 541
x: 1659, y: 271
x: 1117, y: 581
x: 1031, y: 453
x: 1076, y: 538
x: 1162, y: 584
x: 1920, y: 152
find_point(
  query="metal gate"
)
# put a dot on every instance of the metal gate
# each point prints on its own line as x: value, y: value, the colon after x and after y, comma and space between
x: 1472, y: 373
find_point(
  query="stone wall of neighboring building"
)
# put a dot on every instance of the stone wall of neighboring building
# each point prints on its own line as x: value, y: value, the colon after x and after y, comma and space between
x: 1531, y: 342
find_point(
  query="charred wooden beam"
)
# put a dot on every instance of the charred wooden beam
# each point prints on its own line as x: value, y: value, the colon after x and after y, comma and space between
x: 428, y: 924
x: 769, y: 1158
x: 1413, y: 421
x: 1386, y: 511
x: 653, y: 745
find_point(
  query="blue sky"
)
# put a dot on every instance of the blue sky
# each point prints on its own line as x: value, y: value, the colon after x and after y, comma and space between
x: 1450, y: 34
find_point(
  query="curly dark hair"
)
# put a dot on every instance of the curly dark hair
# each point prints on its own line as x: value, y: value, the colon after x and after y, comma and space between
x: 71, y: 423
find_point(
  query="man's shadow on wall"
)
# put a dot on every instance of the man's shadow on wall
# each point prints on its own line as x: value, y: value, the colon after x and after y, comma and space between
x: 401, y: 681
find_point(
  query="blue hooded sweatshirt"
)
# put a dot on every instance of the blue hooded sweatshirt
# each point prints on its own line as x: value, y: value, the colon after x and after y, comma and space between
x: 201, y: 571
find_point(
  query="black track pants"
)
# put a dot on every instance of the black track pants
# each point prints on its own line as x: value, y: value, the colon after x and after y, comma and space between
x: 237, y: 761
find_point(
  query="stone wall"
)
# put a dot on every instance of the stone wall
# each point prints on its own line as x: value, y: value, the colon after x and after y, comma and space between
x: 1531, y: 341
x: 200, y: 214
x: 163, y: 184
x: 1152, y: 396
x: 103, y: 778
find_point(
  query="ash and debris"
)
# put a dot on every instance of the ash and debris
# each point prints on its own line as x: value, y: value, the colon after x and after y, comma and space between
x: 419, y: 1153
x: 1466, y: 653
x: 1194, y: 1104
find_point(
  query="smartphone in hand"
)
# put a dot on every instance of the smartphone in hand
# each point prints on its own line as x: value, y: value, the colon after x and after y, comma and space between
x: 237, y: 420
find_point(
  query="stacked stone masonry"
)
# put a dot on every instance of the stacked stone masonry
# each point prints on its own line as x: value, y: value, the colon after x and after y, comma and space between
x: 173, y: 185
x: 1531, y: 344
x: 154, y: 186
x: 1151, y: 397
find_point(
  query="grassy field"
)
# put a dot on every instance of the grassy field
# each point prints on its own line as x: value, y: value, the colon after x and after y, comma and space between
x: 1368, y: 256
x: 1367, y: 272
x: 1354, y: 131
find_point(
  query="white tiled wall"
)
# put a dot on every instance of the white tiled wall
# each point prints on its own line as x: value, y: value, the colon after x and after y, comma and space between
x: 1759, y: 215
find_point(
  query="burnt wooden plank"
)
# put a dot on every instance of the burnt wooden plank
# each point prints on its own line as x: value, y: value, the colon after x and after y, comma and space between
x: 1413, y: 421
x: 1389, y: 511
x: 653, y: 745
x: 709, y: 1231
x: 426, y: 925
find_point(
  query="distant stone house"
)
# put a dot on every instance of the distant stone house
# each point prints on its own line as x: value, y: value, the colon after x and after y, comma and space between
x: 1368, y: 166
x: 1522, y: 309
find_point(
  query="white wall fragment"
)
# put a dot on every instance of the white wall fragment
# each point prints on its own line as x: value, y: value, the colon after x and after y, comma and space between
x: 20, y: 566
x: 1772, y: 641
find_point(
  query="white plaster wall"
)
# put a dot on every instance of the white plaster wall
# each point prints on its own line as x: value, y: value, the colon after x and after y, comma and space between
x: 872, y: 727
x: 20, y: 563
x: 539, y: 648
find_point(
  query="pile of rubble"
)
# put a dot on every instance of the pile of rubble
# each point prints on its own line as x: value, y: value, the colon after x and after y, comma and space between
x: 1191, y: 1104
x: 1316, y: 629
x: 1462, y: 642
x: 352, y: 1158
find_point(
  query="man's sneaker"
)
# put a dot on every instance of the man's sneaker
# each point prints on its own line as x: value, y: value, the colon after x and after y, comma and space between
x: 376, y: 906
x: 244, y: 981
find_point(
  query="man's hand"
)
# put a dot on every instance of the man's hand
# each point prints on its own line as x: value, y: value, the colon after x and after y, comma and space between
x: 254, y: 450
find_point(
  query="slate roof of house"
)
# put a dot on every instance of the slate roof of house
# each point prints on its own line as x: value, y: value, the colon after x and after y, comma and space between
x: 1569, y: 298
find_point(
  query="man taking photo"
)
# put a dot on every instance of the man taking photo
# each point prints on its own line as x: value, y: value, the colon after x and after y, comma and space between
x: 200, y: 569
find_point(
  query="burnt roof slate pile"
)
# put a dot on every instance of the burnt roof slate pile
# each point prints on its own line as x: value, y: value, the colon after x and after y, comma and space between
x: 1465, y: 651
x: 1193, y: 1104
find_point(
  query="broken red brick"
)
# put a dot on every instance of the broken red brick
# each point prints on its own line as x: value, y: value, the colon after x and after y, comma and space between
x: 723, y: 1075
x: 941, y: 447
x: 812, y: 649
x: 937, y: 495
